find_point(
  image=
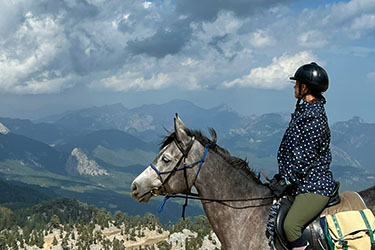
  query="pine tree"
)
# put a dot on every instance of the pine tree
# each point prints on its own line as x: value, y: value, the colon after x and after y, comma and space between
x: 64, y: 244
x: 3, y: 242
x: 117, y: 245
x: 54, y: 242
x: 54, y: 221
x: 39, y: 240
x: 132, y: 235
x: 164, y: 245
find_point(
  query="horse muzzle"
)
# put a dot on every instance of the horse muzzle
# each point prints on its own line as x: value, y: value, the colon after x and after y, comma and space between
x: 145, y: 186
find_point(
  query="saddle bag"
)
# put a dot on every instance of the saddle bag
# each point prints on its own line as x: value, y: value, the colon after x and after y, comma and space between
x: 351, y: 230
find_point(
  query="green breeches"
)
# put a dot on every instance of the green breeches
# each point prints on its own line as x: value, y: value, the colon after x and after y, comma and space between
x: 305, y: 208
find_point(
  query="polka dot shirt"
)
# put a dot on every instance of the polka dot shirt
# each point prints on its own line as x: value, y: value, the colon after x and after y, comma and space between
x: 304, y: 154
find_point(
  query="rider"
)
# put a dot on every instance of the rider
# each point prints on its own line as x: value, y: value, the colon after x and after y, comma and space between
x: 304, y: 154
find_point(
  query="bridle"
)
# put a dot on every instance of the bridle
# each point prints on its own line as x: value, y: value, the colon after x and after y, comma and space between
x: 189, y: 194
x: 184, y: 168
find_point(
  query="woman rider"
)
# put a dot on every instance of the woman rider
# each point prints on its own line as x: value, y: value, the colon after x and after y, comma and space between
x: 304, y: 154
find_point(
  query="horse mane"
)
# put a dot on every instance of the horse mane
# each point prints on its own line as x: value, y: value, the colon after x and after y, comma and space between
x: 233, y: 161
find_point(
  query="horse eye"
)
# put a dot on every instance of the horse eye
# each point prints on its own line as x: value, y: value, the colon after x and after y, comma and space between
x: 165, y: 159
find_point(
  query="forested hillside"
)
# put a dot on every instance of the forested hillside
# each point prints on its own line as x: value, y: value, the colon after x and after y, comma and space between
x: 70, y: 224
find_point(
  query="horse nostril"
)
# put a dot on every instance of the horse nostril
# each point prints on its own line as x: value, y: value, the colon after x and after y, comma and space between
x: 134, y: 187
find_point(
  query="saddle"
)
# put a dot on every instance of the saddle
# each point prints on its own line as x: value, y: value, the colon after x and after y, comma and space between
x: 314, y: 232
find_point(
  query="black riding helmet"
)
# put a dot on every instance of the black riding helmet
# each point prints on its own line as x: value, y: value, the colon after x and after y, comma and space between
x: 314, y: 76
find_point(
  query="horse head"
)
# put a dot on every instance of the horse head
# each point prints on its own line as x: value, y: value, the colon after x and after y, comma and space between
x: 174, y: 170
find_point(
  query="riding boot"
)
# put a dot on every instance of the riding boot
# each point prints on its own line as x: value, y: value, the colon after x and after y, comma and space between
x: 305, y: 247
x: 300, y: 244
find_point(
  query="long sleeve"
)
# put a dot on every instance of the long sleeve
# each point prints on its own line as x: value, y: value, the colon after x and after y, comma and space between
x: 304, y: 155
x: 308, y: 145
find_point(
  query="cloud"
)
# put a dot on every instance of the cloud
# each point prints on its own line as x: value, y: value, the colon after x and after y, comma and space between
x: 312, y: 39
x: 44, y: 85
x: 364, y: 22
x: 26, y: 57
x: 134, y: 81
x: 353, y: 19
x: 260, y: 39
x: 209, y: 9
x: 275, y: 75
x: 47, y: 47
x: 167, y: 40
x: 371, y: 76
x: 342, y: 11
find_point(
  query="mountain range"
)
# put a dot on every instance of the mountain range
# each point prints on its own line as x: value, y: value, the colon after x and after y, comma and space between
x: 94, y: 154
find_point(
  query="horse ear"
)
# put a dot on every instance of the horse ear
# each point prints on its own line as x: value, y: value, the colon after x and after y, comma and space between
x: 180, y: 130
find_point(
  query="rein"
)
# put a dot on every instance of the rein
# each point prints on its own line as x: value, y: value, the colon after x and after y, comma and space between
x: 191, y: 195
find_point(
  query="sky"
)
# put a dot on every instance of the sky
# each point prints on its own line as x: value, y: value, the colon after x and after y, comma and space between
x: 58, y: 55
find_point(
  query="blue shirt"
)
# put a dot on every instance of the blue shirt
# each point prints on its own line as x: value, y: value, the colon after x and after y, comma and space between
x: 304, y: 154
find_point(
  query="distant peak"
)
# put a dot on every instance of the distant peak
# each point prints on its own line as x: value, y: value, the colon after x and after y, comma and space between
x: 118, y: 105
x: 356, y: 120
x: 224, y: 107
x: 115, y: 106
x: 180, y: 101
x: 3, y: 129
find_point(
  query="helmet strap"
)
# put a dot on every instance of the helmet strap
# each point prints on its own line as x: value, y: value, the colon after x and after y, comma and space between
x: 300, y: 97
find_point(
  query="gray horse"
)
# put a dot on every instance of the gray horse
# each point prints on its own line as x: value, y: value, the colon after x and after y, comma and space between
x: 216, y: 176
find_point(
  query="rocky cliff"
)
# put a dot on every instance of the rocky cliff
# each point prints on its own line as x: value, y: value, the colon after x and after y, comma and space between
x: 3, y: 130
x: 79, y: 164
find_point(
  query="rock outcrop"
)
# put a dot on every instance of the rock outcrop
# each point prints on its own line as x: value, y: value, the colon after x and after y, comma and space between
x: 3, y: 130
x: 79, y: 164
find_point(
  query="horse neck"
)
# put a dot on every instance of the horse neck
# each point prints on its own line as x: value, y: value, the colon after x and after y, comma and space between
x: 219, y: 180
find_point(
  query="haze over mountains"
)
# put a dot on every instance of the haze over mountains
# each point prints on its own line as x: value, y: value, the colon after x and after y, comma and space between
x: 93, y: 154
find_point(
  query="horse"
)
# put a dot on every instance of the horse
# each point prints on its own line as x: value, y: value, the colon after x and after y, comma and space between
x: 236, y: 202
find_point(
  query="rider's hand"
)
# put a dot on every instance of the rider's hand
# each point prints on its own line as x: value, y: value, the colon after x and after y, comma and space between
x: 279, y: 185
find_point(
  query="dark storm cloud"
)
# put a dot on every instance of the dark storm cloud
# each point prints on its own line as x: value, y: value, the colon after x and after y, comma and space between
x: 208, y: 9
x: 170, y: 40
x: 167, y: 40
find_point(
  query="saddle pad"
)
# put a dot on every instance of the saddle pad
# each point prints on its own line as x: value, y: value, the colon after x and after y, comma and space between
x: 349, y: 201
x: 350, y: 221
x: 351, y: 230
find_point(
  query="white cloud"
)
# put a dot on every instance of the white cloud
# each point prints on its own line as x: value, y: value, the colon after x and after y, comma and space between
x: 312, y: 39
x: 364, y: 22
x: 175, y: 71
x: 96, y: 2
x: 261, y: 39
x: 275, y: 75
x: 44, y: 85
x: 147, y: 4
x: 353, y: 8
x: 225, y: 23
x: 28, y: 52
x: 134, y: 81
x: 353, y: 19
x: 371, y: 76
x: 189, y: 62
